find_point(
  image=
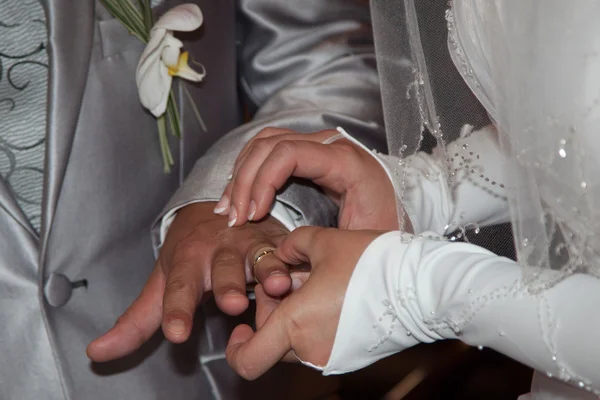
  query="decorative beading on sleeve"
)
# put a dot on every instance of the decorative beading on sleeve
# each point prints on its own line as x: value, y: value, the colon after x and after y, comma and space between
x: 476, y: 195
x: 409, y: 289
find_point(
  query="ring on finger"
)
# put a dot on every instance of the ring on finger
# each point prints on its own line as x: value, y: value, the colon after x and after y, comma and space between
x: 261, y: 254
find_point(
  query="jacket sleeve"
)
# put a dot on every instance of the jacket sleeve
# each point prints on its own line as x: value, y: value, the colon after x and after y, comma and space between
x: 304, y: 66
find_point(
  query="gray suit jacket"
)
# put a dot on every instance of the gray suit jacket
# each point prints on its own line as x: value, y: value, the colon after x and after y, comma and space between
x: 308, y: 66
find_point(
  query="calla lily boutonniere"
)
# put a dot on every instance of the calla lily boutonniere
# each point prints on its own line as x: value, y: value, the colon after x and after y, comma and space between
x: 161, y: 61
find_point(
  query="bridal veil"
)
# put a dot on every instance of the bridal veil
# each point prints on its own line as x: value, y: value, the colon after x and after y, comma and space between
x: 535, y: 66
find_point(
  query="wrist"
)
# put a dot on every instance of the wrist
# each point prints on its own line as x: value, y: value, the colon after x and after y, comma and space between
x: 196, y: 213
x: 204, y: 212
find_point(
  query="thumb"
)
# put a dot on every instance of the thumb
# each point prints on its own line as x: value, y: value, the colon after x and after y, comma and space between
x: 252, y: 354
x: 135, y: 326
x: 301, y: 246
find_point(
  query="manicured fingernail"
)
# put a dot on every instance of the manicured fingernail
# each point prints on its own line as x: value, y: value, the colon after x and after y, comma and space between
x: 252, y: 210
x: 176, y: 326
x: 232, y: 216
x: 296, y: 283
x: 230, y: 177
x: 222, y: 205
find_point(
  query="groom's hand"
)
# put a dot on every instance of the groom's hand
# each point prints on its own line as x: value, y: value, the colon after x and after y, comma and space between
x: 200, y: 254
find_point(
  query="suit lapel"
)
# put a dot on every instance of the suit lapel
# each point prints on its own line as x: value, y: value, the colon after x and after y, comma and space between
x: 71, y: 31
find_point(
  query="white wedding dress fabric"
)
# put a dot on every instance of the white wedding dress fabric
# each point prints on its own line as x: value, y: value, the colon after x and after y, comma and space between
x: 410, y: 289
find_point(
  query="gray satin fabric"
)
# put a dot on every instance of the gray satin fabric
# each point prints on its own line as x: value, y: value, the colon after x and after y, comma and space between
x: 305, y: 68
x: 104, y: 185
x: 70, y: 46
x: 28, y: 369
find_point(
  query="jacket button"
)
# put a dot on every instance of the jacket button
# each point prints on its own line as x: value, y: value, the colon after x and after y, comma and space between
x: 58, y: 289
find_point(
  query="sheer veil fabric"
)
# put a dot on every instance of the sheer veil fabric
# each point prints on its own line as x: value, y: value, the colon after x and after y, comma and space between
x: 533, y: 65
x: 543, y: 59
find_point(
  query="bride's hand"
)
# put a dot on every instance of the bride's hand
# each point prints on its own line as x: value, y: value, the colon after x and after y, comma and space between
x: 306, y: 321
x: 350, y: 176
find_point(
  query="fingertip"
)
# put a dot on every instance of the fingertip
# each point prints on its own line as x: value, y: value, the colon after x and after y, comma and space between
x: 277, y: 285
x: 240, y: 335
x: 251, y: 210
x: 238, y: 213
x: 108, y: 347
x: 233, y: 216
x: 177, y: 328
x: 263, y: 208
x: 263, y: 194
x: 232, y: 302
x: 91, y: 349
x: 222, y: 207
x: 299, y: 278
x: 271, y: 273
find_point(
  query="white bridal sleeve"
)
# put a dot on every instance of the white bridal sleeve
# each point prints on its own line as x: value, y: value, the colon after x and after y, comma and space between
x: 403, y: 292
x: 476, y: 194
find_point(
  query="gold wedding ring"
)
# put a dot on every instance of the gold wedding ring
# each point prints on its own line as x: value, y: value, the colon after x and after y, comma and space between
x: 261, y: 254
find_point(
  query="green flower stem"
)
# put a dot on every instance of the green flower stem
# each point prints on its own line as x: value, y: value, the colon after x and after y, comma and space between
x: 118, y: 14
x: 173, y: 114
x: 140, y: 6
x: 164, y: 144
x: 135, y: 17
x: 194, y: 108
x: 148, y: 18
x: 129, y: 16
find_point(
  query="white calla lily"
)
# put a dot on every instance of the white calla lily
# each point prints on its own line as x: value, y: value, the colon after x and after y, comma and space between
x: 163, y: 59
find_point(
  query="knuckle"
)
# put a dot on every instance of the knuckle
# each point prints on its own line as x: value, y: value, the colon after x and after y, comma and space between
x: 229, y: 187
x: 313, y: 231
x: 178, y: 285
x: 187, y: 249
x: 295, y: 327
x: 123, y: 319
x: 348, y: 150
x: 268, y: 235
x: 268, y: 131
x: 135, y: 328
x: 246, y: 373
x: 225, y: 258
x: 320, y: 236
x: 285, y: 147
x: 235, y: 360
x: 243, y: 178
x: 263, y: 144
x: 180, y: 294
